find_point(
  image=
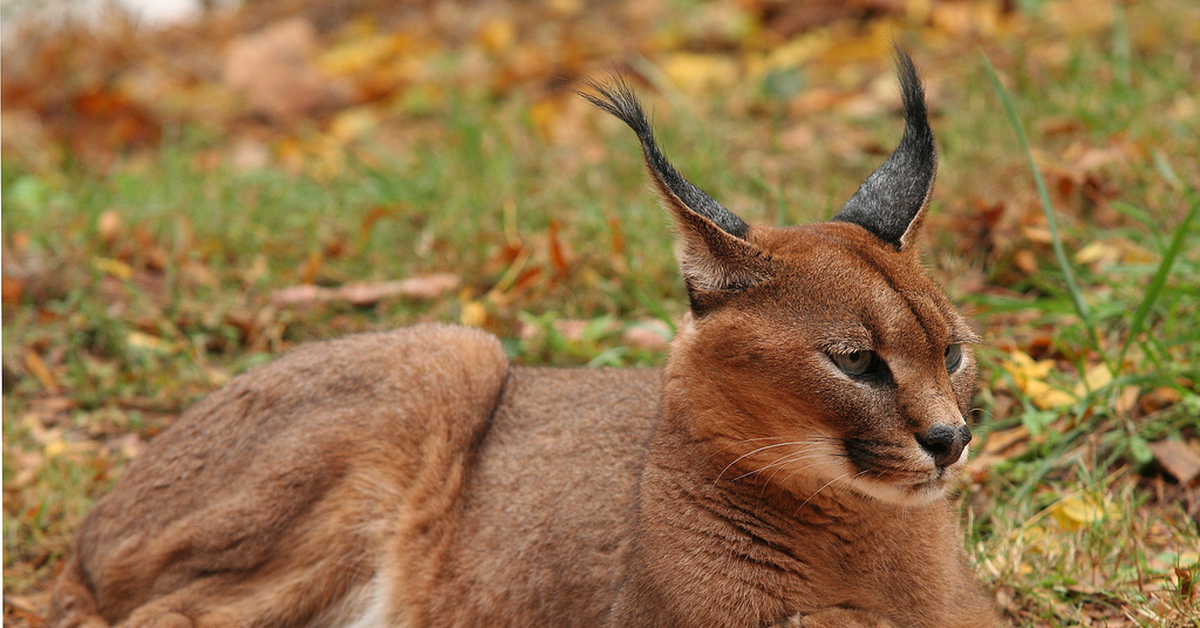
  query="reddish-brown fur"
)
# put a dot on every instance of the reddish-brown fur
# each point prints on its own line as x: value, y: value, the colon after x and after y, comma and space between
x: 415, y: 478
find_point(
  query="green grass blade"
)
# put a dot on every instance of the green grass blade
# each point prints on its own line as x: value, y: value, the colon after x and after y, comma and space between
x: 1154, y: 290
x: 1122, y: 48
x: 1081, y: 307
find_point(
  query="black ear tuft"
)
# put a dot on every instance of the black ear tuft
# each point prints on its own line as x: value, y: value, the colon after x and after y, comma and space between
x: 716, y: 258
x: 892, y: 201
x: 619, y: 100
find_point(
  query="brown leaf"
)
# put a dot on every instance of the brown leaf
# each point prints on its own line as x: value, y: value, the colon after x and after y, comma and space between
x: 571, y: 329
x: 376, y: 214
x: 1003, y: 441
x: 423, y: 287
x: 420, y: 287
x: 1026, y: 261
x: 1178, y: 459
x: 1187, y: 583
x: 618, y: 235
x: 12, y: 289
x: 275, y: 70
x: 1062, y: 125
x: 37, y: 367
x: 109, y: 226
x: 309, y: 269
x: 31, y: 608
x: 299, y: 296
x: 648, y: 334
x: 557, y: 254
x: 428, y: 286
x: 50, y: 410
x: 28, y: 465
x: 1159, y: 398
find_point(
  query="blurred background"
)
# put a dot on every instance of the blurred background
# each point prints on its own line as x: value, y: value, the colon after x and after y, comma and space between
x: 191, y: 188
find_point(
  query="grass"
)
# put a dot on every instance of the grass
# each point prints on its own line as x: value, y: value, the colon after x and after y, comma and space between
x: 149, y: 283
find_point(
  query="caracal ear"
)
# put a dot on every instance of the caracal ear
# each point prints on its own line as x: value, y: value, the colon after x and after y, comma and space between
x: 892, y: 201
x: 714, y: 256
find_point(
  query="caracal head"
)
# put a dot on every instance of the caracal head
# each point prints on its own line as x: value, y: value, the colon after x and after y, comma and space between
x: 819, y: 355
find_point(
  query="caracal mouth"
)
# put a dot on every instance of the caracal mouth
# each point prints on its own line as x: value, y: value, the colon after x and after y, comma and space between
x: 905, y: 488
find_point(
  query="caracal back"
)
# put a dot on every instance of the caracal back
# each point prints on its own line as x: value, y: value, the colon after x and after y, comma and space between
x: 275, y: 497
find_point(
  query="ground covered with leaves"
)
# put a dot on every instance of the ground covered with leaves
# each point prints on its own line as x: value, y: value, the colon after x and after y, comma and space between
x: 181, y: 204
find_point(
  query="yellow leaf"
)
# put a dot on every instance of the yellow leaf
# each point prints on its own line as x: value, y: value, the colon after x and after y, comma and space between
x: 1075, y: 511
x: 37, y: 367
x: 1096, y: 251
x: 139, y: 340
x: 848, y: 48
x: 544, y: 115
x: 363, y: 54
x: 799, y: 50
x: 352, y: 124
x: 1046, y: 397
x: 1030, y: 378
x: 113, y: 267
x: 291, y: 153
x: 565, y: 8
x: 1023, y: 367
x: 1096, y: 377
x: 497, y: 34
x: 695, y: 73
x: 968, y: 18
x: 474, y: 314
x: 918, y: 11
x: 55, y: 448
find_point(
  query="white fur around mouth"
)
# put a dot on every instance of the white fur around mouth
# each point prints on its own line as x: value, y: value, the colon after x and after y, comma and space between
x: 922, y: 491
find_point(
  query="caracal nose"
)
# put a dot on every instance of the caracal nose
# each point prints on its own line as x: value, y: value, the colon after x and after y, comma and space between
x: 944, y: 443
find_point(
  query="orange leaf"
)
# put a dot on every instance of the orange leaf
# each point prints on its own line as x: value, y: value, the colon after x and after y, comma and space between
x: 557, y: 255
x: 310, y: 267
x: 618, y: 235
x: 12, y: 289
x: 37, y: 367
x: 374, y: 216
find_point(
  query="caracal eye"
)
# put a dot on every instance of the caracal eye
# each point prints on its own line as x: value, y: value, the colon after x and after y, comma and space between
x: 854, y: 364
x: 953, y: 357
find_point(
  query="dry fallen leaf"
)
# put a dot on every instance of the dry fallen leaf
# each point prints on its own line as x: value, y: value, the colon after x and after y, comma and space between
x: 1076, y: 511
x: 146, y: 342
x: 297, y: 296
x: 474, y: 314
x: 275, y: 69
x: 696, y: 73
x: 571, y: 329
x: 352, y: 124
x: 37, y: 367
x: 1187, y: 582
x: 426, y: 287
x: 1159, y: 398
x: 1178, y: 459
x: 420, y: 287
x: 648, y: 334
x: 13, y: 288
x: 113, y: 267
x: 1096, y: 377
x: 29, y: 607
x: 109, y: 226
x: 1030, y: 378
x: 28, y: 465
x: 497, y: 34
